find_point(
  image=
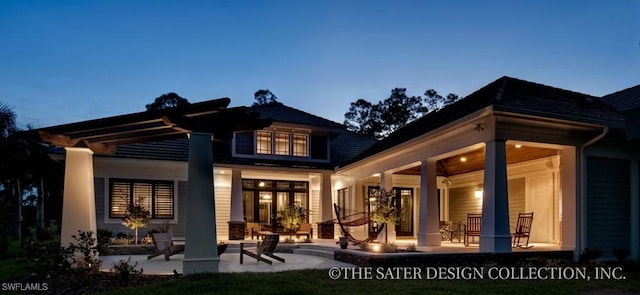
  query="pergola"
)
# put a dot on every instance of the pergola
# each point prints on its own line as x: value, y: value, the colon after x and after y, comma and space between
x: 201, y: 122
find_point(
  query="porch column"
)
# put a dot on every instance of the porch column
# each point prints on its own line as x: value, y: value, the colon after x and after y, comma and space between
x: 429, y: 217
x: 495, y: 236
x: 386, y: 182
x: 568, y: 192
x: 79, y: 205
x: 236, y: 222
x: 201, y: 251
x: 326, y: 230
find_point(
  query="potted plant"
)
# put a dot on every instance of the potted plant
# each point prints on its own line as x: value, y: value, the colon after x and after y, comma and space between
x: 344, y: 240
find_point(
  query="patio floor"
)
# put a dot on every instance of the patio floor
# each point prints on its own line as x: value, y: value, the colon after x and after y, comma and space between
x: 316, y: 255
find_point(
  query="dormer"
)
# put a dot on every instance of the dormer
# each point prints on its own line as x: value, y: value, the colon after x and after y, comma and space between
x: 282, y: 143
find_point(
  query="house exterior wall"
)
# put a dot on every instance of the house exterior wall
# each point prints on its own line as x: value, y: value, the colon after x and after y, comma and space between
x: 607, y: 203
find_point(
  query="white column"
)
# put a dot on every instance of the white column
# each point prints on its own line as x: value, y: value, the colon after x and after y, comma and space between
x: 326, y: 201
x: 236, y: 196
x: 386, y: 182
x: 568, y: 182
x: 79, y: 205
x: 201, y: 251
x: 495, y: 236
x: 428, y: 216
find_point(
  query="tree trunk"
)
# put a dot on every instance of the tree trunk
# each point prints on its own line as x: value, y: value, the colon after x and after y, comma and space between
x: 40, y: 212
x: 386, y: 234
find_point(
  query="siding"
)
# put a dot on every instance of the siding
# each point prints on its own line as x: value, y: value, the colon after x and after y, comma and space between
x: 223, y: 211
x: 462, y: 201
x: 607, y: 203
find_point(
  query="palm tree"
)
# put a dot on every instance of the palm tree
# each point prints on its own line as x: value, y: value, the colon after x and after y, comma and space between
x: 7, y: 121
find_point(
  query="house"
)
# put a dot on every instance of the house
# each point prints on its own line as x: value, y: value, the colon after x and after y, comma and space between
x: 511, y: 146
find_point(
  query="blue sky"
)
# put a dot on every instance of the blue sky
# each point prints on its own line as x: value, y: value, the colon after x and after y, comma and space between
x: 68, y: 61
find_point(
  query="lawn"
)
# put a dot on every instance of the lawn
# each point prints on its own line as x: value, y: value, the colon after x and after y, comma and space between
x: 318, y: 282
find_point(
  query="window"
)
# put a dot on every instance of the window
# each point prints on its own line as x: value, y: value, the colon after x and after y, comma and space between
x: 155, y: 195
x: 282, y: 144
x: 263, y: 142
x: 344, y: 202
x: 300, y: 145
x: 278, y: 143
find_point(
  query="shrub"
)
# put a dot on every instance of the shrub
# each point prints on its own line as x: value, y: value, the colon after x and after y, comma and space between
x: 590, y: 254
x: 84, y: 253
x: 621, y: 254
x: 412, y: 248
x: 124, y: 268
x: 104, y: 239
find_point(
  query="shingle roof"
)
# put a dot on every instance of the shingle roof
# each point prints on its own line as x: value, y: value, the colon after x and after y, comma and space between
x: 282, y: 113
x: 512, y: 95
x: 624, y: 99
x: 345, y: 145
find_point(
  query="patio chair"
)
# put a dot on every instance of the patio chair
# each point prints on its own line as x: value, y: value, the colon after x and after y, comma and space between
x: 164, y: 245
x: 266, y: 248
x: 445, y: 230
x: 473, y: 227
x: 523, y: 230
x: 305, y: 229
x: 252, y: 229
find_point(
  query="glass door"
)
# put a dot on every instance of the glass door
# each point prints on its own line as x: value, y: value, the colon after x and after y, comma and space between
x: 404, y: 202
x: 266, y: 214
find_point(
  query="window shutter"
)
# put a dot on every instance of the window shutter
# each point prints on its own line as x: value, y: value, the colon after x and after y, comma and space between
x: 244, y: 143
x: 163, y: 207
x: 119, y: 193
x: 319, y: 147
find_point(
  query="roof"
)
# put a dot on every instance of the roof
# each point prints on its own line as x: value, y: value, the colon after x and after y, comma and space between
x: 281, y: 113
x: 345, y: 145
x: 624, y: 100
x: 105, y: 135
x: 512, y: 95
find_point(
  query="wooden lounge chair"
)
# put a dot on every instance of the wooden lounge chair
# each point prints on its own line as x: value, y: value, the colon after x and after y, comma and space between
x: 305, y: 229
x: 523, y: 230
x: 164, y: 245
x: 266, y: 248
x: 473, y: 227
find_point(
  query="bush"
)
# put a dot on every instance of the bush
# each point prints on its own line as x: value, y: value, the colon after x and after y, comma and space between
x: 621, y: 254
x: 84, y: 253
x: 590, y: 254
x: 412, y: 248
x: 104, y: 239
x: 4, y: 244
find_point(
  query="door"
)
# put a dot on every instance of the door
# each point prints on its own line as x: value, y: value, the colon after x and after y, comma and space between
x: 404, y: 203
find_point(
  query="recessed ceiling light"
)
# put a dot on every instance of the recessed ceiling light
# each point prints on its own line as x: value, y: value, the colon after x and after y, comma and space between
x: 463, y: 159
x: 518, y: 146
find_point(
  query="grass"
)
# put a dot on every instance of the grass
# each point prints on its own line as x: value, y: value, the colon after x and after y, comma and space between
x: 10, y: 265
x: 318, y: 282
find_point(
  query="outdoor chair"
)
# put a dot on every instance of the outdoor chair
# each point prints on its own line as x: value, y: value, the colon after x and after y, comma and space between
x: 445, y: 231
x: 473, y: 227
x: 252, y: 229
x: 266, y: 248
x: 164, y: 245
x: 305, y: 230
x: 523, y: 230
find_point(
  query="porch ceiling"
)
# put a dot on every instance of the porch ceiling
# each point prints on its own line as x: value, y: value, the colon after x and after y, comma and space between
x: 474, y: 160
x: 103, y: 136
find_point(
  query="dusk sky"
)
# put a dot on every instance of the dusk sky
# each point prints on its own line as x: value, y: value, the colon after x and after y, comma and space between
x: 68, y: 61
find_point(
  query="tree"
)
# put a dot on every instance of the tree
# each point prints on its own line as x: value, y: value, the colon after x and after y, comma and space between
x: 264, y: 96
x: 381, y: 119
x: 136, y: 216
x: 166, y: 101
x: 399, y: 109
x: 363, y: 118
x: 291, y: 217
x: 386, y: 210
x: 7, y: 121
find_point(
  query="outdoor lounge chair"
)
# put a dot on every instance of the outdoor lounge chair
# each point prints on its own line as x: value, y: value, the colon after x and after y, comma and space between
x: 164, y: 245
x: 305, y: 230
x: 523, y: 230
x: 266, y: 248
x: 473, y: 227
